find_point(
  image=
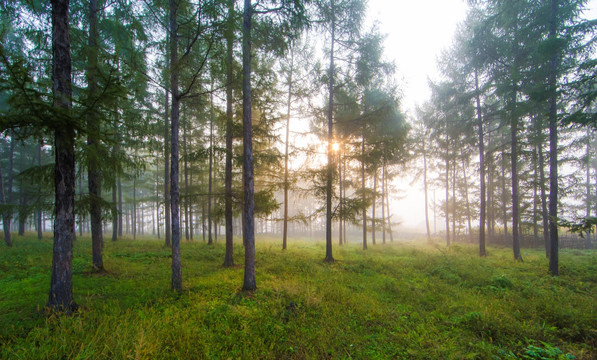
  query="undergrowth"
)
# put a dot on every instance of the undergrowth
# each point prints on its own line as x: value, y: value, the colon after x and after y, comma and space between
x: 395, y: 301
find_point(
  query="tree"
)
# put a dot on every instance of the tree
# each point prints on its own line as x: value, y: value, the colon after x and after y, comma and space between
x: 93, y: 135
x: 61, y: 292
x: 249, y: 282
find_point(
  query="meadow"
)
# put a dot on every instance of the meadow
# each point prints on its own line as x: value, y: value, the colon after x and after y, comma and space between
x: 393, y: 301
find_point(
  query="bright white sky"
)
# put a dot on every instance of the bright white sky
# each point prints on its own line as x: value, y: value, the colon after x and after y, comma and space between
x: 417, y: 32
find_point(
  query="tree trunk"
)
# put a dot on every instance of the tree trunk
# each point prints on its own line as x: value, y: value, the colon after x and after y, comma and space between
x: 330, y: 166
x: 543, y: 195
x: 94, y: 180
x: 120, y: 209
x: 483, y: 206
x: 504, y: 195
x: 388, y: 208
x: 553, y: 148
x: 340, y: 199
x: 174, y: 191
x: 447, y: 202
x: 210, y: 174
x: 364, y: 199
x: 114, y: 211
x: 424, y: 191
x: 228, y: 257
x: 249, y: 282
x: 134, y: 213
x: 39, y: 213
x: 588, y: 187
x: 186, y: 176
x: 383, y: 195
x: 5, y: 217
x: 285, y: 225
x: 514, y: 166
x: 61, y: 286
x: 373, y: 202
x: 22, y: 200
x: 167, y: 216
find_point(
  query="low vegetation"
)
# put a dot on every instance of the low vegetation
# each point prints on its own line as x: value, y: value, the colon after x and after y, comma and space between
x: 391, y: 301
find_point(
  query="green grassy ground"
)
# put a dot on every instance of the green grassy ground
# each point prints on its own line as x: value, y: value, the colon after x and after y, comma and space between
x: 392, y: 301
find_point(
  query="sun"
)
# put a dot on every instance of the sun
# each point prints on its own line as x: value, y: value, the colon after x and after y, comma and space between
x: 335, y: 146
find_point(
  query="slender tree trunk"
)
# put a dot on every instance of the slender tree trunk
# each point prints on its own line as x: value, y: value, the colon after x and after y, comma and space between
x: 388, y: 207
x: 167, y: 217
x: 363, y: 189
x: 186, y: 176
x: 482, y: 196
x: 383, y: 195
x: 373, y: 202
x: 174, y: 191
x: 454, y: 200
x: 447, y: 202
x: 94, y: 180
x: 203, y: 217
x: 114, y: 212
x: 515, y: 196
x: 553, y: 148
x: 588, y: 187
x: 39, y: 213
x: 134, y: 213
x: 504, y: 195
x: 209, y: 190
x: 7, y: 217
x: 340, y: 199
x: 249, y: 282
x: 543, y: 195
x: 157, y: 200
x: 22, y: 201
x: 286, y: 185
x: 61, y: 287
x: 5, y: 221
x: 191, y: 206
x: 425, y: 193
x: 535, y: 200
x: 120, y: 209
x: 228, y: 257
x: 330, y: 166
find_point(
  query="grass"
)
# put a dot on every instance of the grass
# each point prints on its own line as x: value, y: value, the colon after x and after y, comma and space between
x: 392, y: 301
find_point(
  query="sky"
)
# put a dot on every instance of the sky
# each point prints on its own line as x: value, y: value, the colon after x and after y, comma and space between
x: 417, y: 33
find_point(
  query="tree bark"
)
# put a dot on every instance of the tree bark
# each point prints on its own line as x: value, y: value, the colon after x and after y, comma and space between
x: 167, y: 216
x: 553, y: 148
x: 94, y: 180
x: 388, y: 207
x: 363, y: 189
x: 249, y: 282
x: 447, y: 202
x: 373, y: 201
x: 174, y: 190
x: 588, y: 186
x: 228, y: 257
x: 61, y: 287
x: 383, y: 195
x: 39, y: 212
x: 425, y: 193
x: 330, y: 165
x: 514, y: 167
x: 210, y: 174
x: 5, y: 222
x: 285, y: 224
x: 482, y: 196
x: 186, y: 176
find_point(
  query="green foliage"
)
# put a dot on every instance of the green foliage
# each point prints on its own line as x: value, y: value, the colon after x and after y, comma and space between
x: 394, y: 301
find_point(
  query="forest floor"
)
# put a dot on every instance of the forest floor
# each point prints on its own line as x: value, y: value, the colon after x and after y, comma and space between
x: 398, y: 301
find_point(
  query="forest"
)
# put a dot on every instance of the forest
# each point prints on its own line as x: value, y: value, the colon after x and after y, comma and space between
x: 260, y: 146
